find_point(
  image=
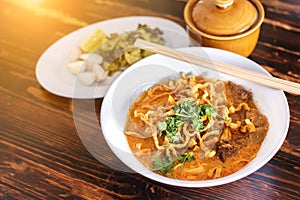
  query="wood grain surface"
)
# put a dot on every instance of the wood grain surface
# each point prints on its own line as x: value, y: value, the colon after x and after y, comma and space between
x: 43, y: 157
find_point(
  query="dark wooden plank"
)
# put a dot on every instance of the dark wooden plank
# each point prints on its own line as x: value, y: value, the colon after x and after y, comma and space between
x: 33, y: 158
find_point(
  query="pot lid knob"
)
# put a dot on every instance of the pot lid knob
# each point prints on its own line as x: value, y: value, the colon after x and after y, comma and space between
x: 223, y: 4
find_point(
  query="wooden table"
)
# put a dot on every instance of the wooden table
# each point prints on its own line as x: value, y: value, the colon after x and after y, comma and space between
x: 41, y: 153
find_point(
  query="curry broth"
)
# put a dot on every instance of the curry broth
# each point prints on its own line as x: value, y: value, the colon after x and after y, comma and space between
x: 227, y: 142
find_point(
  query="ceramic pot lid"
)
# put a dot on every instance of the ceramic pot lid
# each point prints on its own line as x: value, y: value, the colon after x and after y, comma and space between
x: 224, y: 17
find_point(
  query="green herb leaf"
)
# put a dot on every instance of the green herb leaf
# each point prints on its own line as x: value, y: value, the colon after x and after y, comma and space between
x: 197, y: 124
x: 184, y: 112
x: 170, y: 126
x: 162, y: 126
x: 163, y: 165
x: 207, y: 109
x: 188, y: 156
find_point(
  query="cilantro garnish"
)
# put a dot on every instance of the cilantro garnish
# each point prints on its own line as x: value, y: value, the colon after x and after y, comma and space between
x: 183, y: 112
x: 163, y: 165
x: 208, y: 110
x: 188, y: 156
x: 170, y: 126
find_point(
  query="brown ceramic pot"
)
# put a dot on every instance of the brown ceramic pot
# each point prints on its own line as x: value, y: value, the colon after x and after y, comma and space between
x: 232, y: 25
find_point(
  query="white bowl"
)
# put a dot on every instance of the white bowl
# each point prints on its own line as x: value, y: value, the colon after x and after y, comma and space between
x: 153, y: 69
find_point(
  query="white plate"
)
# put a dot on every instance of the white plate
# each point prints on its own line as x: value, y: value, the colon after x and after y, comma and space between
x: 151, y: 70
x: 51, y: 69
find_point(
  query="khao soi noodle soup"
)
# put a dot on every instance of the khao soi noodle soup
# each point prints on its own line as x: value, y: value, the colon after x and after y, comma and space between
x: 193, y: 128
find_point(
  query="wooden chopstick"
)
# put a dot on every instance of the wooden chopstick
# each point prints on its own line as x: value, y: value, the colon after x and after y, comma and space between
x: 245, y: 74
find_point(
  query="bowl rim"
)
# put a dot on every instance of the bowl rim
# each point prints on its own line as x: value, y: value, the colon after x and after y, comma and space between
x: 190, y: 24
